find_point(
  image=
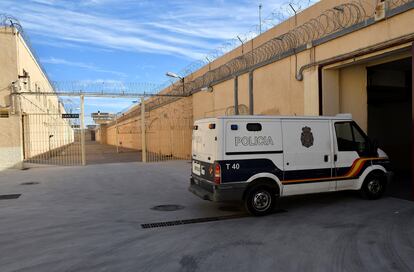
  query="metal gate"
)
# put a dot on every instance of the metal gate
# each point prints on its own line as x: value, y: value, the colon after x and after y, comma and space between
x: 169, y: 139
x: 52, y: 138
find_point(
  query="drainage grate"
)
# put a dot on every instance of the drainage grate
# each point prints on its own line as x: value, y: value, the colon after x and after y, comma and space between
x: 191, y: 221
x: 30, y: 183
x: 12, y: 196
x: 199, y: 220
x: 167, y: 208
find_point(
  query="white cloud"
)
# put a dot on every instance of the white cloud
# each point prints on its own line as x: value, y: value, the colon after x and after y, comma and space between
x: 179, y: 27
x: 80, y: 65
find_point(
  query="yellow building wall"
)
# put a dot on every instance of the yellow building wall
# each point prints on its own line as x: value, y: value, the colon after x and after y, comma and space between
x: 32, y: 117
x: 129, y: 134
x: 43, y: 111
x: 345, y: 87
x: 243, y: 93
x: 353, y: 93
x: 168, y: 130
x: 10, y: 142
x: 8, y: 67
x: 276, y: 92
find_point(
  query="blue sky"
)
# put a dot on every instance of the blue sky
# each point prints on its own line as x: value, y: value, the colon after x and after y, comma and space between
x: 114, y: 41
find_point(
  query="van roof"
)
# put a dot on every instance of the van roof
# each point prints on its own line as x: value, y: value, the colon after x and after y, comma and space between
x: 346, y: 116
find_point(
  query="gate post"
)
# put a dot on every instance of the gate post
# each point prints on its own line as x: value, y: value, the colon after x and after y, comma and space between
x: 116, y: 132
x: 251, y: 95
x: 412, y: 120
x: 143, y: 138
x: 82, y: 124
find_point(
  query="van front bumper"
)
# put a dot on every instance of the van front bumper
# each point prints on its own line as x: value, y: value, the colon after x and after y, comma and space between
x: 217, y: 192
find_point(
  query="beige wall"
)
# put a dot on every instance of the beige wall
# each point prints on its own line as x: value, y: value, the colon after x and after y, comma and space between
x: 129, y: 132
x: 276, y: 92
x: 345, y: 84
x: 39, y: 83
x: 37, y: 115
x: 8, y: 67
x: 353, y: 93
x: 168, y: 130
x: 10, y: 144
x: 10, y: 147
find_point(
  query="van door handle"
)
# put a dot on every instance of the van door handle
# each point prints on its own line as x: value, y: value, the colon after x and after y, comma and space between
x: 335, y: 157
x: 326, y: 158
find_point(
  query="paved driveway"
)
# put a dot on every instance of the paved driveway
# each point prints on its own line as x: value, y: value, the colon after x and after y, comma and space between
x: 89, y: 219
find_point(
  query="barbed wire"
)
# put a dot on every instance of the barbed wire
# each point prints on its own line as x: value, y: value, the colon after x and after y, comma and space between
x: 104, y: 87
x: 330, y: 21
x: 327, y: 23
x: 7, y: 20
x: 276, y: 16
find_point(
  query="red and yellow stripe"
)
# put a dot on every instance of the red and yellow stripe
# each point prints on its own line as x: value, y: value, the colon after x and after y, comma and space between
x: 356, y: 167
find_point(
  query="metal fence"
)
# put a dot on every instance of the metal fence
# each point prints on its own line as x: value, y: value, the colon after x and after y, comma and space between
x: 51, y: 139
x: 169, y: 139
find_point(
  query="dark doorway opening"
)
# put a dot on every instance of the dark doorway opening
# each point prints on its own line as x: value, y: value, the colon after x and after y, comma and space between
x: 389, y: 118
x: 93, y: 137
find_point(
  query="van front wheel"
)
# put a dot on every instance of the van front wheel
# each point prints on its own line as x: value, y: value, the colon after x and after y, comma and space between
x: 260, y: 200
x: 373, y: 186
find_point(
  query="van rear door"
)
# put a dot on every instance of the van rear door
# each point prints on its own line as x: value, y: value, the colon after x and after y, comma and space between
x: 204, y: 147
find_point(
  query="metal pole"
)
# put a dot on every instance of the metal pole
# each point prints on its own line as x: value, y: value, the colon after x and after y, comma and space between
x: 260, y: 18
x: 251, y: 95
x: 143, y: 138
x: 116, y: 132
x: 236, y: 95
x: 412, y: 120
x: 82, y: 116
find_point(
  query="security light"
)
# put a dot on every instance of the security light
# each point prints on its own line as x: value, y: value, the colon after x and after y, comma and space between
x: 171, y: 74
x: 207, y: 89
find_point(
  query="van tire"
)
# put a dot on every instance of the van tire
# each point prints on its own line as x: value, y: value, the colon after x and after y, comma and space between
x: 260, y: 200
x: 374, y: 185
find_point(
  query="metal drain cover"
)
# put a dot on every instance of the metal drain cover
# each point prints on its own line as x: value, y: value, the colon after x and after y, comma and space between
x: 190, y: 221
x: 167, y: 208
x: 30, y: 183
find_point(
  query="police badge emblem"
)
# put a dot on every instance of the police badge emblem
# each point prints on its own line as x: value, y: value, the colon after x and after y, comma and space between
x: 306, y: 137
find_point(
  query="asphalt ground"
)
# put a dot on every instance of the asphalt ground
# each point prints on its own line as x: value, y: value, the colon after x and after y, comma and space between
x: 90, y: 219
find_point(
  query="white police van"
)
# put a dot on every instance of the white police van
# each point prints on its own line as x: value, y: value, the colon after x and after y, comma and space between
x: 256, y: 159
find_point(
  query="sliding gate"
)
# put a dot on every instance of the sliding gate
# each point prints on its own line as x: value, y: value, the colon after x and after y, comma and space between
x: 52, y: 138
x: 169, y: 139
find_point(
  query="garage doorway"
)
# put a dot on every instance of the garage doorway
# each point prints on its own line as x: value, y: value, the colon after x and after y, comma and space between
x: 389, y: 88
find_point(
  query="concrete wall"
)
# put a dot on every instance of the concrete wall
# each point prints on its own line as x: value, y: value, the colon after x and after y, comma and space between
x: 345, y: 84
x: 10, y: 142
x: 32, y: 117
x: 129, y: 134
x: 8, y: 69
x: 168, y: 130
